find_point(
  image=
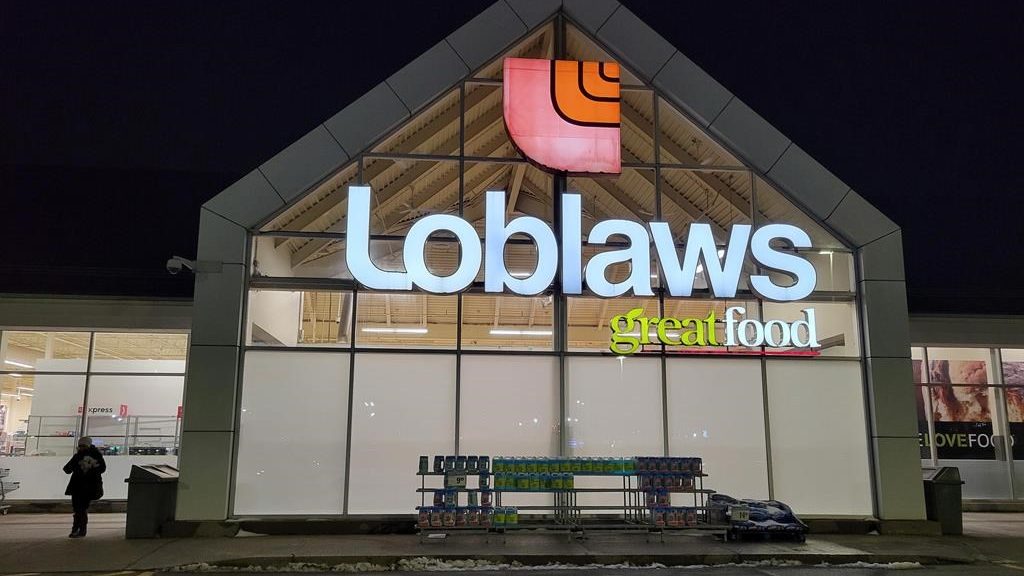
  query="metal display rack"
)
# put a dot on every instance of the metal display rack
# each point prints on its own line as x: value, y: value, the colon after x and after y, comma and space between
x: 637, y: 509
x: 6, y: 487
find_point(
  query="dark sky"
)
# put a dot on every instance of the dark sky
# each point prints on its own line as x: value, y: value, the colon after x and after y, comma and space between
x: 120, y: 119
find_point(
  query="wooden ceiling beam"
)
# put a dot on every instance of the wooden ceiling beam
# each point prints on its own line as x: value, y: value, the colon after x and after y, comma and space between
x: 514, y: 184
x: 706, y: 179
x: 338, y: 196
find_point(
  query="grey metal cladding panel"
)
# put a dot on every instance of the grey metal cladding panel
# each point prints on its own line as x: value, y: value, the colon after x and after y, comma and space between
x: 205, y: 464
x: 217, y: 307
x: 248, y: 201
x: 220, y: 240
x: 210, y: 388
x: 426, y: 77
x: 890, y: 388
x: 883, y: 258
x: 636, y: 43
x: 858, y: 221
x: 808, y: 182
x: 590, y: 14
x: 898, y: 487
x: 307, y: 161
x: 692, y: 89
x: 367, y: 119
x: 886, y: 321
x: 486, y: 35
x: 533, y: 12
x: 750, y: 135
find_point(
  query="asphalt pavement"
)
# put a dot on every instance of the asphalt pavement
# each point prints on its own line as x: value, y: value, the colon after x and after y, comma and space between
x: 38, y: 544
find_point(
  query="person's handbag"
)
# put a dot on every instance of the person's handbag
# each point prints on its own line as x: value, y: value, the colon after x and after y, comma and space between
x: 99, y: 488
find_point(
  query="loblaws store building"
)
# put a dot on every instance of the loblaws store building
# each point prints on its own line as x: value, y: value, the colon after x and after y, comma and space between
x: 502, y: 251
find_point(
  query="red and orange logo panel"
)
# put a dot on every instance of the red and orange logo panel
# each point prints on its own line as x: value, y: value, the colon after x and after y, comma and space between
x: 564, y: 114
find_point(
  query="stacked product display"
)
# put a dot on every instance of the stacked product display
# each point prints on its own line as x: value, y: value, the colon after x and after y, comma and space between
x: 659, y: 478
x: 447, y: 510
x: 541, y: 474
x: 647, y: 486
x: 759, y: 517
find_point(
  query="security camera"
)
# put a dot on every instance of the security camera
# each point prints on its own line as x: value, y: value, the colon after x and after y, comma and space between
x: 177, y: 263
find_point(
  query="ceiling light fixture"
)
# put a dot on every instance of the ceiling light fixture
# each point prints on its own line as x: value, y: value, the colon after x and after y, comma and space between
x: 395, y: 330
x: 18, y: 364
x: 504, y: 332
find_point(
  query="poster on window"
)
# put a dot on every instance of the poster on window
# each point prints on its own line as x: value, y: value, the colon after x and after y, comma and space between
x: 922, y: 408
x: 1013, y: 376
x: 961, y: 408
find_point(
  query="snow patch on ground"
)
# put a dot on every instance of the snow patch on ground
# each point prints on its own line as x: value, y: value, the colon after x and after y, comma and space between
x: 424, y: 564
x: 889, y: 566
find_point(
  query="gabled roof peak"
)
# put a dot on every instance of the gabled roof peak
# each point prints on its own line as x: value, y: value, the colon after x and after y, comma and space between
x: 316, y: 156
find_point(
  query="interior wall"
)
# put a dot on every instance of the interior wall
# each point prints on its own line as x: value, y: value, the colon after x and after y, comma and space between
x: 278, y: 313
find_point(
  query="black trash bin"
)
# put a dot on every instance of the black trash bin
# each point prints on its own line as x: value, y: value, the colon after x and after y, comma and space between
x: 942, y: 498
x: 152, y: 492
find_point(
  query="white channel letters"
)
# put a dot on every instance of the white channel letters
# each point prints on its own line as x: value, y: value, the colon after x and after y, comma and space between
x: 721, y: 267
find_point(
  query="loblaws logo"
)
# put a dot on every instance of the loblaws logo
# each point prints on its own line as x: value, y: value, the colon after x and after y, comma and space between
x: 564, y: 114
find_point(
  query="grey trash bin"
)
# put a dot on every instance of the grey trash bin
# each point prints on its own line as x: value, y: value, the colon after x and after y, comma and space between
x: 152, y: 492
x: 942, y: 498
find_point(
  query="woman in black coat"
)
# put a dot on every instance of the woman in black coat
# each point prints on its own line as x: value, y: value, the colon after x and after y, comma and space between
x: 86, y: 468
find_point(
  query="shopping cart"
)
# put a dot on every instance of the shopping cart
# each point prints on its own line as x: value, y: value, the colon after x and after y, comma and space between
x: 5, y: 488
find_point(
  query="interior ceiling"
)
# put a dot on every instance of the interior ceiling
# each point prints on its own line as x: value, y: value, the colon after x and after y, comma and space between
x: 405, y: 190
x: 24, y: 347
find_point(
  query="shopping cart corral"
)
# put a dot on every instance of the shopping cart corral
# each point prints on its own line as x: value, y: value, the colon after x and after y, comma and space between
x: 5, y: 487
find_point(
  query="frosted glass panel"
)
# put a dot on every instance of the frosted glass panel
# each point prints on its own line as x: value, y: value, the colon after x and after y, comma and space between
x: 291, y: 441
x: 403, y: 408
x: 819, y: 436
x: 612, y: 408
x: 509, y: 406
x: 715, y: 411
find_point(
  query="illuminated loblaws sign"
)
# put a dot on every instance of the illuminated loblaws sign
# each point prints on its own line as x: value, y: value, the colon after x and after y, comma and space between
x: 770, y: 247
x: 632, y: 330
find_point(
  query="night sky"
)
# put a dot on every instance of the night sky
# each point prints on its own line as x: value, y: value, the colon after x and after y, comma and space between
x: 120, y: 119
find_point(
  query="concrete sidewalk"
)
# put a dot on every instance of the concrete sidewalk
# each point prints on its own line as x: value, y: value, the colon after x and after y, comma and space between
x: 39, y: 543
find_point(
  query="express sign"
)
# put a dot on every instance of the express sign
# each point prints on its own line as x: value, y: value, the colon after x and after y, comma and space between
x: 721, y: 267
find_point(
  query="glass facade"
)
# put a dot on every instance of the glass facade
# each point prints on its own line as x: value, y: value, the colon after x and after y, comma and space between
x: 412, y: 373
x: 969, y: 405
x: 122, y: 389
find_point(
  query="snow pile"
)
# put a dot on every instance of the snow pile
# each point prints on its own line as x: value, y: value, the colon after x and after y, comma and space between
x: 418, y: 564
x: 425, y: 564
x: 876, y: 565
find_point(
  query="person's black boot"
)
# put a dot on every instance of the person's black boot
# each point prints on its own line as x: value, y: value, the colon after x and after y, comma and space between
x: 77, y: 527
